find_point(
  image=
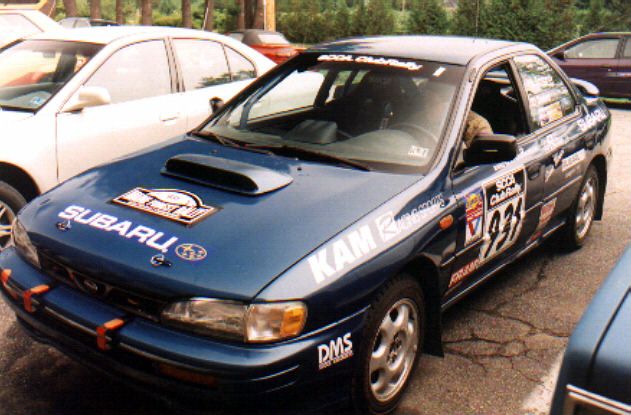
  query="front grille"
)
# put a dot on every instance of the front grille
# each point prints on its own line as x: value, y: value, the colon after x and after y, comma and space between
x: 139, y: 305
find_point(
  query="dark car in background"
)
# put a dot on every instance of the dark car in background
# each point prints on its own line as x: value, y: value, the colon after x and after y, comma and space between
x: 596, y: 371
x: 603, y: 59
x: 273, y: 45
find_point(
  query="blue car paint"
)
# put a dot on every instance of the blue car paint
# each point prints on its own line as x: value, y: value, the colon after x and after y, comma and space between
x: 597, y: 356
x: 329, y: 204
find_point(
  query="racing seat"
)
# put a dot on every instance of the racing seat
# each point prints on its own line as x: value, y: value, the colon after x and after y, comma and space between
x: 375, y: 102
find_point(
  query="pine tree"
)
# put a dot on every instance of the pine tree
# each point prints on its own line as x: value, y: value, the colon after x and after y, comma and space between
x: 341, y: 20
x: 428, y: 16
x: 595, y: 18
x: 468, y: 16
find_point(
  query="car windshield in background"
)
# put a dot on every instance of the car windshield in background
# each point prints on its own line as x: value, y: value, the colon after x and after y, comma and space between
x: 32, y: 71
x: 385, y: 113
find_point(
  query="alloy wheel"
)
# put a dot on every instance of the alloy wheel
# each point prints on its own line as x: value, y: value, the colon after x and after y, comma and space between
x: 394, y: 350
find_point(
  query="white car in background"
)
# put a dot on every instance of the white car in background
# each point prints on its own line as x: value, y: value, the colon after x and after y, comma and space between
x: 16, y: 23
x: 74, y: 99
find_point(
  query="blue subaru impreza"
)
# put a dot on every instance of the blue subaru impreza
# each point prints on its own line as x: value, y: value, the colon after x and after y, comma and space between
x: 314, y: 229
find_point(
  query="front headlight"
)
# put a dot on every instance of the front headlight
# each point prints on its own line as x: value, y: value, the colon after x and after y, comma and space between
x: 255, y: 323
x: 23, y: 244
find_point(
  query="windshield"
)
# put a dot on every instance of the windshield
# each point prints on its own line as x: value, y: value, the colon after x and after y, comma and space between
x: 17, y: 25
x: 387, y: 114
x: 32, y: 71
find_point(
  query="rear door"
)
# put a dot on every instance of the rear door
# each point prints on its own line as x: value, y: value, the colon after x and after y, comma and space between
x: 553, y: 111
x: 594, y: 60
x: 209, y: 70
x: 143, y: 110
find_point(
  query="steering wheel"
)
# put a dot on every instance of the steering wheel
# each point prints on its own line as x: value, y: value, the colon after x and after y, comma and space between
x: 413, y: 129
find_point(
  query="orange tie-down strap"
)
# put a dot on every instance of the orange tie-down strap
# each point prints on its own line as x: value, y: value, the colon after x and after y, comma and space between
x: 5, y: 276
x: 102, y: 331
x: 27, y: 296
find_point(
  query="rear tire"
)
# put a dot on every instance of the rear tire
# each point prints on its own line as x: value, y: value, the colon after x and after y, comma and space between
x: 11, y: 201
x: 392, y: 343
x: 582, y: 212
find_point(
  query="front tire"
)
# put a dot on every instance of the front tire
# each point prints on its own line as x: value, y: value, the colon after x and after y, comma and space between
x: 583, y: 211
x: 391, y: 346
x: 11, y: 201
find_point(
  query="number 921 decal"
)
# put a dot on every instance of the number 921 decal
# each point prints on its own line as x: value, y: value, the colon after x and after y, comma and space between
x: 505, y: 200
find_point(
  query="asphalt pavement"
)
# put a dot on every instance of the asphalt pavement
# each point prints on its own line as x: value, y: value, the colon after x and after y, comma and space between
x: 503, y: 343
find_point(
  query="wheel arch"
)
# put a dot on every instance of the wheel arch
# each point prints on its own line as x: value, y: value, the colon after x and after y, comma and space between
x: 20, y: 180
x: 426, y: 273
x: 600, y: 163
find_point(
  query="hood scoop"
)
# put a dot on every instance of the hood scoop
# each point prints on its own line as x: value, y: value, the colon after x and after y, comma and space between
x: 230, y: 175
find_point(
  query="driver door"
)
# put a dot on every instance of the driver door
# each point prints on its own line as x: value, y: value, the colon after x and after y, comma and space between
x: 143, y: 110
x: 496, y: 200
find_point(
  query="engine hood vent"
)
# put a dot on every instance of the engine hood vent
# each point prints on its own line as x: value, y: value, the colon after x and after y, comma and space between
x: 230, y: 175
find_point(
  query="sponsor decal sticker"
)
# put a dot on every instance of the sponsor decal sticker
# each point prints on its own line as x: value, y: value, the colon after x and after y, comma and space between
x: 409, y: 65
x: 504, y: 202
x: 572, y: 160
x: 418, y: 152
x: 335, y: 351
x: 364, y: 241
x: 475, y: 217
x: 544, y: 218
x: 464, y: 272
x: 191, y: 252
x: 175, y: 205
x: 124, y: 228
x: 591, y: 120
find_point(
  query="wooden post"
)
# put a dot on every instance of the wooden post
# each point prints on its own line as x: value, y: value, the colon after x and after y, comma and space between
x: 270, y: 15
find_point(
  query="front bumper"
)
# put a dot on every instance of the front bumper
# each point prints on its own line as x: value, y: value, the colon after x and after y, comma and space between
x: 161, y: 359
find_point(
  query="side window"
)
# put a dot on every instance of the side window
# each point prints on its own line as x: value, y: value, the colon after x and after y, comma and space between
x: 593, y: 49
x: 202, y: 62
x: 497, y: 107
x: 548, y: 97
x: 135, y: 72
x: 240, y: 67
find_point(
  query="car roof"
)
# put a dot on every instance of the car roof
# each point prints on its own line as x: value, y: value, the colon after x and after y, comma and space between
x: 447, y: 49
x: 105, y: 35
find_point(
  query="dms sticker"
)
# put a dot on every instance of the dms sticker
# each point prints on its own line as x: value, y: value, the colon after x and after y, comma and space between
x: 176, y: 205
x: 335, y: 351
x: 505, y: 200
x: 475, y: 213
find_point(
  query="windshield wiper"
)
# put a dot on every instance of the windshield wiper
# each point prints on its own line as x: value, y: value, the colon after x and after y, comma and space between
x: 227, y: 142
x: 307, y: 154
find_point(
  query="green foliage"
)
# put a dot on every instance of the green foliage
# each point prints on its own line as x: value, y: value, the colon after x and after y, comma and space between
x: 376, y: 18
x: 428, y: 16
x: 468, y: 16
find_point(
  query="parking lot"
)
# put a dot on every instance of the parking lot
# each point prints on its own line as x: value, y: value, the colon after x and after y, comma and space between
x: 503, y: 343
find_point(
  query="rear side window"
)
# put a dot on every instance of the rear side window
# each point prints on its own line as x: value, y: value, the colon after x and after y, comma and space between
x: 548, y: 97
x: 627, y: 49
x: 202, y: 62
x: 594, y: 49
x: 240, y: 67
x: 135, y: 72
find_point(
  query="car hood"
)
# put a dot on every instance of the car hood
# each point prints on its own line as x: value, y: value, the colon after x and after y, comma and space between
x: 13, y: 116
x: 247, y: 240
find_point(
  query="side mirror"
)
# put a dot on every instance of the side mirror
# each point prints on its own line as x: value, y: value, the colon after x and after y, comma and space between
x: 88, y: 96
x: 561, y: 55
x: 587, y: 88
x: 216, y: 104
x: 491, y: 149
